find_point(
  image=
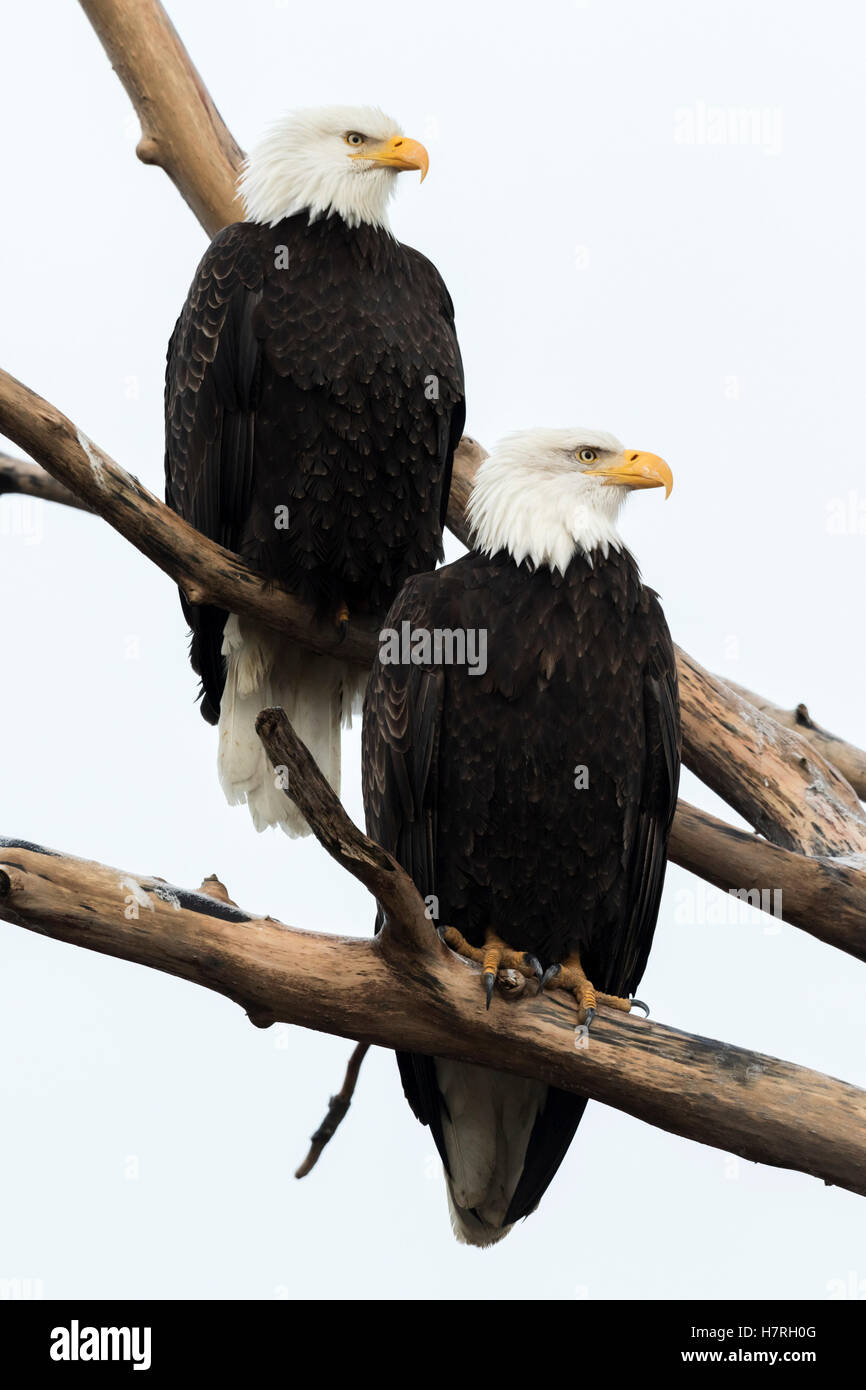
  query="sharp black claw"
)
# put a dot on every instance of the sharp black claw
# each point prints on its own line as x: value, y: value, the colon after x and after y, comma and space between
x: 440, y: 932
x: 590, y: 1015
x: 535, y: 963
x: 548, y: 975
x: 342, y: 629
x: 489, y: 982
x: 639, y: 1004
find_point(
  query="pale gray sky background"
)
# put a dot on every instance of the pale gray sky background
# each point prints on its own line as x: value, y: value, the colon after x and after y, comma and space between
x: 612, y: 265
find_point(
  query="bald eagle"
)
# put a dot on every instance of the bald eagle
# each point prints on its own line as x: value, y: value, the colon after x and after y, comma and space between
x: 313, y: 403
x: 529, y: 794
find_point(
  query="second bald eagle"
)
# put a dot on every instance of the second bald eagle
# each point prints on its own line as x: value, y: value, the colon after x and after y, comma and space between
x: 469, y: 780
x: 314, y: 400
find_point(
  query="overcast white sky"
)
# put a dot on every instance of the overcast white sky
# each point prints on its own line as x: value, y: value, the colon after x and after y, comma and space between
x: 612, y: 265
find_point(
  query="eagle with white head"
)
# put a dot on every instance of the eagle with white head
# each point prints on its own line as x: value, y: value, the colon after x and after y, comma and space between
x: 313, y: 403
x: 531, y: 802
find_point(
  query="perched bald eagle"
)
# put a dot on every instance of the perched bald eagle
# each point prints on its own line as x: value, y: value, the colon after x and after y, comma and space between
x: 529, y: 794
x: 313, y: 403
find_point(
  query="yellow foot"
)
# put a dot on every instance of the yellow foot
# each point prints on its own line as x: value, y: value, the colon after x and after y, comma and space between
x: 494, y: 956
x: 571, y: 975
x: 341, y: 620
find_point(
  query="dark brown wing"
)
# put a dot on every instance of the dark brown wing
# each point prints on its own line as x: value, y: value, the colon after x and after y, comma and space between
x: 402, y: 715
x: 211, y: 381
x: 647, y: 838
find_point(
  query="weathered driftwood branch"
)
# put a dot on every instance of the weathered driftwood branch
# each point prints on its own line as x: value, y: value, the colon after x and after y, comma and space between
x: 759, y: 1107
x: 825, y: 897
x: 28, y: 479
x: 205, y: 572
x: 850, y: 761
x: 405, y: 916
x: 181, y: 129
x: 780, y: 783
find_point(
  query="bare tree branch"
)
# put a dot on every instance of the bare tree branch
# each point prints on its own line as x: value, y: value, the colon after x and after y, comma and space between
x: 405, y: 915
x: 850, y: 761
x: 772, y: 776
x: 467, y: 461
x: 205, y: 572
x: 764, y: 1109
x: 28, y: 479
x: 181, y: 129
x: 825, y: 897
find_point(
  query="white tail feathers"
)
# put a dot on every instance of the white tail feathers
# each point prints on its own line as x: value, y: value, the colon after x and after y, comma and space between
x: 318, y: 694
x: 487, y: 1127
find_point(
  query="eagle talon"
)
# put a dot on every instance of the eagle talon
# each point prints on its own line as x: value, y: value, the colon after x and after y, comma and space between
x: 341, y: 621
x: 535, y: 964
x: 639, y: 1004
x: 489, y: 978
x: 494, y: 957
x: 570, y: 975
x: 550, y: 973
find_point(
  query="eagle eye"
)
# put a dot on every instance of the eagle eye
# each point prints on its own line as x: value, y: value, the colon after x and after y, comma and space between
x: 354, y: 138
x: 587, y: 455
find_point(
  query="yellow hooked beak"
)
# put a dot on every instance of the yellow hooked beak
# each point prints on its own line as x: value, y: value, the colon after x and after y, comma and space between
x: 633, y: 469
x: 399, y: 153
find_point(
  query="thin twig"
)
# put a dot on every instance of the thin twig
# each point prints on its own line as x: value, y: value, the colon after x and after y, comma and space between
x: 338, y: 1108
